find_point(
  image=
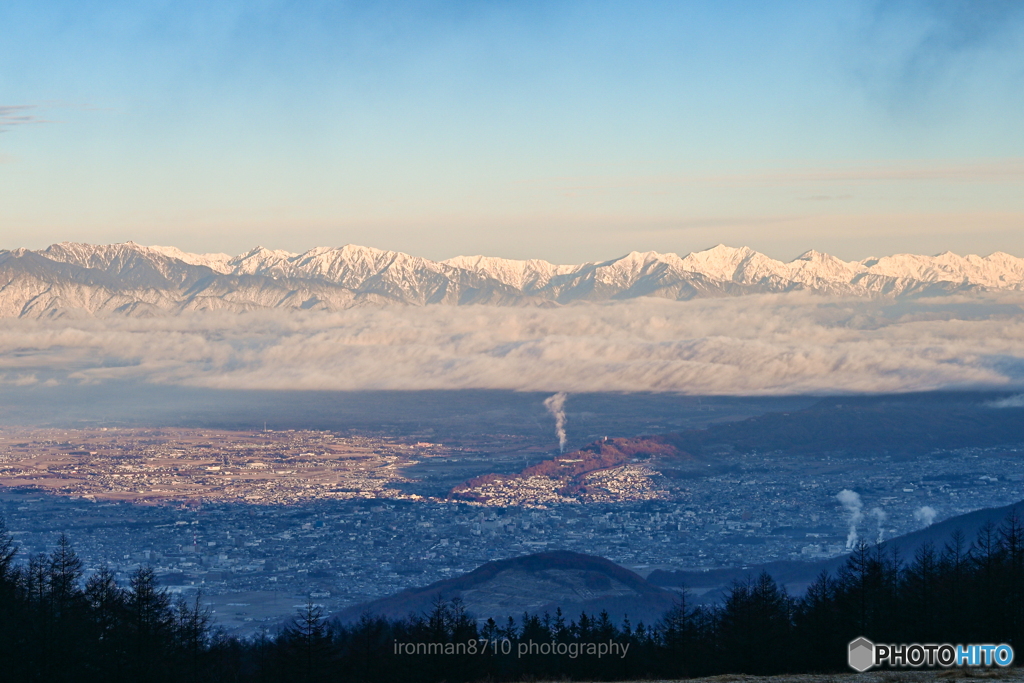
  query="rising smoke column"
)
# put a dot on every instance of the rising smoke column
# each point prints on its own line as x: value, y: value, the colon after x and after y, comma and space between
x: 851, y: 501
x: 556, y: 406
x: 925, y: 514
x: 880, y: 517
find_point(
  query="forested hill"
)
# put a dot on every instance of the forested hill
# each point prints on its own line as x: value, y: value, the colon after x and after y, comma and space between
x: 537, y: 583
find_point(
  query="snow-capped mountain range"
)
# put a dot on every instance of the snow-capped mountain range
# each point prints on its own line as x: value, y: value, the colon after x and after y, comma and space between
x: 130, y: 279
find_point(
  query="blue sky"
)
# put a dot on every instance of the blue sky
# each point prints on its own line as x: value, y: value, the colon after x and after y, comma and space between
x: 568, y: 131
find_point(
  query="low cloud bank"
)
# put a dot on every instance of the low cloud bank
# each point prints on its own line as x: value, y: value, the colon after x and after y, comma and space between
x: 1009, y: 402
x: 772, y: 344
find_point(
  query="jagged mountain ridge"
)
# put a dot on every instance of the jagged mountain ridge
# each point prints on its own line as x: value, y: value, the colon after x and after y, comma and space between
x: 131, y: 279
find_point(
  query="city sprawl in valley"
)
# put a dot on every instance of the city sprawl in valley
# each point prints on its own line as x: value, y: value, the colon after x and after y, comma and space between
x: 258, y: 517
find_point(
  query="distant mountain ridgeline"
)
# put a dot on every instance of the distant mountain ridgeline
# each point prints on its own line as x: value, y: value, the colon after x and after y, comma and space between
x: 130, y: 279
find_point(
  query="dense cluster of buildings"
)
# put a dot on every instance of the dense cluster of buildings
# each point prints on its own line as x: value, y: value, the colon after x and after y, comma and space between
x: 345, y: 519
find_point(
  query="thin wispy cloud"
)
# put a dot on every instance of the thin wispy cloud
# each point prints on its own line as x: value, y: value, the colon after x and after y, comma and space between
x: 913, y: 49
x: 14, y: 115
x: 948, y: 30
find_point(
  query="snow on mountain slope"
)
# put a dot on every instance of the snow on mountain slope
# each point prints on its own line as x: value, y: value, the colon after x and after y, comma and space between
x: 217, y: 262
x: 133, y: 264
x: 997, y: 271
x: 262, y: 261
x: 528, y: 276
x: 728, y: 263
x: 131, y: 279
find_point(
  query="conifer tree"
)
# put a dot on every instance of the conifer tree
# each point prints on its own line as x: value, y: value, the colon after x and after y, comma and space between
x: 310, y: 640
x: 107, y: 615
x: 954, y: 565
x: 193, y: 630
x: 149, y: 622
x: 8, y: 551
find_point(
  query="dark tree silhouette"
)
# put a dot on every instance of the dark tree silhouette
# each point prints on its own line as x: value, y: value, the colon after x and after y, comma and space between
x: 310, y: 640
x: 55, y: 628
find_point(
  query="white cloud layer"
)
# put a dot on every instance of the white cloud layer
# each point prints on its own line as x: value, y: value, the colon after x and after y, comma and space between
x: 773, y: 344
x: 1009, y: 402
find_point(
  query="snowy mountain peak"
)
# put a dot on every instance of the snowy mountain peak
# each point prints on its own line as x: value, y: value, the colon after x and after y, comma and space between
x: 261, y: 260
x: 725, y: 263
x: 525, y: 275
x: 813, y: 255
x: 218, y: 262
x: 128, y: 278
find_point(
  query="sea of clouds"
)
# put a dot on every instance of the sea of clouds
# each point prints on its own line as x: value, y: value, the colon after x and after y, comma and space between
x: 772, y: 344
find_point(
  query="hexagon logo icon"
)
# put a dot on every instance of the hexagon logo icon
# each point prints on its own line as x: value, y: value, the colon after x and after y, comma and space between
x: 861, y: 654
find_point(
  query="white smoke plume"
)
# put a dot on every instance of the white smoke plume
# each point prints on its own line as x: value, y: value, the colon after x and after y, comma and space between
x: 925, y: 514
x: 851, y: 501
x: 880, y: 516
x: 556, y: 406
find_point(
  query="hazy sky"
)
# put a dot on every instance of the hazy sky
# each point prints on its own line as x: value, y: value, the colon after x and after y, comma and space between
x: 568, y: 131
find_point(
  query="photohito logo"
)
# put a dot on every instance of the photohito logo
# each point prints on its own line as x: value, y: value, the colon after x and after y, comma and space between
x: 862, y: 654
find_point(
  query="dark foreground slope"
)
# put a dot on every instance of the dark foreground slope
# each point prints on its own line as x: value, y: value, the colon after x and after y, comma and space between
x: 535, y: 583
